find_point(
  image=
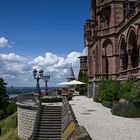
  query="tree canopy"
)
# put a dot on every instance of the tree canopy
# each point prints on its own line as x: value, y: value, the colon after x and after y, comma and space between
x: 3, y: 95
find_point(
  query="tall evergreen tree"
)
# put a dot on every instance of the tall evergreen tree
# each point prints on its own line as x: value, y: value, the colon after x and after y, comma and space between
x: 82, y: 88
x: 3, y: 95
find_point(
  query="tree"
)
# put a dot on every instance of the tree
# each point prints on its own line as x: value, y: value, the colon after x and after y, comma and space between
x: 83, y: 78
x: 3, y: 95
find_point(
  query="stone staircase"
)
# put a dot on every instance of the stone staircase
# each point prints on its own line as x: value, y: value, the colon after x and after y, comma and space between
x: 48, y: 123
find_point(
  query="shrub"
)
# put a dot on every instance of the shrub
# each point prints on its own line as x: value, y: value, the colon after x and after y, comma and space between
x: 96, y: 98
x: 125, y: 110
x: 136, y: 102
x: 51, y: 99
x: 11, y: 108
x: 109, y: 90
x: 130, y: 90
x: 107, y: 104
x: 2, y: 114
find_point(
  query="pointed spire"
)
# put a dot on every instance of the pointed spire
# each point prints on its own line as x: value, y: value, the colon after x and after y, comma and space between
x: 70, y: 74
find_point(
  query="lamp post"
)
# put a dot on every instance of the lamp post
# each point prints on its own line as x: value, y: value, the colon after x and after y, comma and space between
x: 38, y: 75
x: 46, y: 78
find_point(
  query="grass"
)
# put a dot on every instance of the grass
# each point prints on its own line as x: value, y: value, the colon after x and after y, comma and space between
x: 8, y: 128
x: 11, y: 135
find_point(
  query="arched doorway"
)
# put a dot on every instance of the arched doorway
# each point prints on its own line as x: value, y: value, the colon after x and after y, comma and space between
x: 106, y: 57
x: 134, y: 49
x: 123, y: 54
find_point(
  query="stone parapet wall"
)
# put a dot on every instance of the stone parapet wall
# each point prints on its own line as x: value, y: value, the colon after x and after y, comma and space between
x: 69, y: 123
x: 26, y: 120
x: 70, y: 128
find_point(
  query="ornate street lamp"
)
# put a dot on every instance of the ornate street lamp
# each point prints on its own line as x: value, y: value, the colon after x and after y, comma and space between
x: 46, y: 78
x: 38, y: 75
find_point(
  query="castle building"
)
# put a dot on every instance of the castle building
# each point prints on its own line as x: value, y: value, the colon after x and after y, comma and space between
x: 112, y: 38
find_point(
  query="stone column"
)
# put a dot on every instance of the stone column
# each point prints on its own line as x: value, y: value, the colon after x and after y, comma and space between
x: 129, y: 59
x: 139, y: 53
x: 90, y: 89
x: 121, y: 62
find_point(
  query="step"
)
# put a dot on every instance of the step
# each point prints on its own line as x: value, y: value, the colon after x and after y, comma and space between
x: 48, y: 122
x: 42, y: 124
x: 47, y: 136
x: 49, y: 127
x: 47, y: 130
x: 48, y: 133
x: 41, y: 116
x: 51, y: 112
x: 50, y: 119
x: 51, y: 106
x: 45, y: 120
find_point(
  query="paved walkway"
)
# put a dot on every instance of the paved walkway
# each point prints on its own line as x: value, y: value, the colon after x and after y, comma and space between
x: 101, y: 124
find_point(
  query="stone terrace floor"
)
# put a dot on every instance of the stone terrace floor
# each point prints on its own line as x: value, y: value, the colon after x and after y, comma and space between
x: 101, y: 124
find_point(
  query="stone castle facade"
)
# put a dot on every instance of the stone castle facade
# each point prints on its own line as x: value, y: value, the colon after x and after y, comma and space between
x: 112, y: 41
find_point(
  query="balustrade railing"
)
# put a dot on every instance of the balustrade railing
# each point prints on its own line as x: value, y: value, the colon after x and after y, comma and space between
x: 25, y: 97
x: 132, y: 71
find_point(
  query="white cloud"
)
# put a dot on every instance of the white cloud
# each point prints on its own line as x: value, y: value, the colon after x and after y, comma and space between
x: 48, y: 59
x: 18, y: 69
x: 11, y: 57
x: 4, y: 42
x: 73, y: 57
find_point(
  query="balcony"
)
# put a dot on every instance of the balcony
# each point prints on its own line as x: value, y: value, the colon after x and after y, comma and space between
x: 128, y: 72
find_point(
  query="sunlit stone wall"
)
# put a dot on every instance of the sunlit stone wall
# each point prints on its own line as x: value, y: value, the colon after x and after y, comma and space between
x: 26, y: 120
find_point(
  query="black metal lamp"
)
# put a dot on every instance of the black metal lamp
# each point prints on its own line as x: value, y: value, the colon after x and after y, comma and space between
x: 38, y: 76
x: 46, y: 78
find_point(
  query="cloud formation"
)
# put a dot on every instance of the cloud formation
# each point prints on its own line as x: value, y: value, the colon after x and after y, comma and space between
x: 17, y: 70
x: 4, y: 42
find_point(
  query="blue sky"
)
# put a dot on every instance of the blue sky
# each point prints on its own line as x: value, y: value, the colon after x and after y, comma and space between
x: 42, y: 34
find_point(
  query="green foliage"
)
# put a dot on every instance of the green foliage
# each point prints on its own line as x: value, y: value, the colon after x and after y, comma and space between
x: 51, y: 99
x: 2, y: 114
x: 82, y: 88
x: 11, y: 108
x: 96, y: 98
x: 3, y: 95
x: 82, y: 77
x: 8, y: 123
x: 11, y: 135
x: 107, y: 104
x: 136, y: 102
x: 112, y: 90
x: 109, y: 90
x: 125, y: 110
x: 130, y: 90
